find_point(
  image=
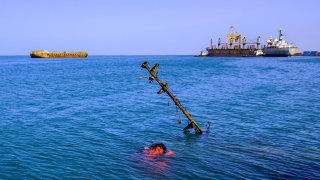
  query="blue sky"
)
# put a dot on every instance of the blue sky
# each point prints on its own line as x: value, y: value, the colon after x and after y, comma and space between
x: 147, y: 27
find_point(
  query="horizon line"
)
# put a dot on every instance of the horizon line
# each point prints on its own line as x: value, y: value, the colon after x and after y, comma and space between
x: 115, y: 55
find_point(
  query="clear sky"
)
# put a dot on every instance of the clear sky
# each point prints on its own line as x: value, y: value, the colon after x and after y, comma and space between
x: 148, y: 27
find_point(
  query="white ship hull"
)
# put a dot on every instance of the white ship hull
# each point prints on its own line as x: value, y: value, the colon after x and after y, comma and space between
x: 279, y: 52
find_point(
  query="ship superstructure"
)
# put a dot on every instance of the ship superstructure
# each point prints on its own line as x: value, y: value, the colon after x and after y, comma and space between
x: 279, y: 47
x: 235, y: 45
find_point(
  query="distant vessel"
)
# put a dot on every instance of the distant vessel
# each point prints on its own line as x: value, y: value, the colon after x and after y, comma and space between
x: 235, y: 45
x: 47, y: 54
x: 202, y: 53
x: 279, y: 47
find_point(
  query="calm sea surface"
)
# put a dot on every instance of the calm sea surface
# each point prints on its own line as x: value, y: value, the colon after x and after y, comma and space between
x: 90, y: 118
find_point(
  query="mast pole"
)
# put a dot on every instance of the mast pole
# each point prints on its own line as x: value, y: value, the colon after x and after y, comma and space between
x: 165, y: 88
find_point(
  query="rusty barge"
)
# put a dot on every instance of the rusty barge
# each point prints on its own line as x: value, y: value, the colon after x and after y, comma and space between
x: 64, y: 54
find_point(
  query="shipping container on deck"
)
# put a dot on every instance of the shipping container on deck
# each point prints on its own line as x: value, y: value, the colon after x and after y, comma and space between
x: 310, y: 53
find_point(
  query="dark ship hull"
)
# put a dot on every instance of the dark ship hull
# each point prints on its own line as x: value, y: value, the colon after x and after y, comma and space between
x: 232, y: 52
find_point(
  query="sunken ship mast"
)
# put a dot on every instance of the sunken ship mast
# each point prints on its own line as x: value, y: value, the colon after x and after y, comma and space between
x: 279, y: 47
x: 64, y: 54
x: 235, y: 45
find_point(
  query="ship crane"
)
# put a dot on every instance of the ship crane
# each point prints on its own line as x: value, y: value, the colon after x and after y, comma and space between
x: 237, y: 43
x: 258, y: 41
x: 235, y: 40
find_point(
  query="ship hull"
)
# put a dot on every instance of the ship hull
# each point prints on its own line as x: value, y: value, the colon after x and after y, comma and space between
x: 36, y: 56
x: 280, y: 52
x: 232, y: 52
x: 45, y: 54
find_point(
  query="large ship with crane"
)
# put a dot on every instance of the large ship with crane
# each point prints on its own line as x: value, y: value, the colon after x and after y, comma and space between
x: 279, y: 47
x: 235, y: 45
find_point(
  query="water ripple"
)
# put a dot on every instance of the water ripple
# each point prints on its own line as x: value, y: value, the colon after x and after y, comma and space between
x: 89, y: 118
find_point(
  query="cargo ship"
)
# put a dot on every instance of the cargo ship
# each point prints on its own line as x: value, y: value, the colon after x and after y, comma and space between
x: 235, y: 45
x: 279, y: 47
x: 47, y: 54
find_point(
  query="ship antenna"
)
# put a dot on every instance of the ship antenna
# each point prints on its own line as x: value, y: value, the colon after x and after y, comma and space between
x: 211, y: 44
x: 280, y: 34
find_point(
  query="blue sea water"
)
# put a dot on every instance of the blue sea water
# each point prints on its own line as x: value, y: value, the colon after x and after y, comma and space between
x: 90, y: 118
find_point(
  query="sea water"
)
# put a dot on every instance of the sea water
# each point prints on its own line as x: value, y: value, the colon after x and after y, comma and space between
x: 90, y: 118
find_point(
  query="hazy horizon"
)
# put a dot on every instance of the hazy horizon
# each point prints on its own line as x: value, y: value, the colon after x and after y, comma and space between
x: 144, y: 27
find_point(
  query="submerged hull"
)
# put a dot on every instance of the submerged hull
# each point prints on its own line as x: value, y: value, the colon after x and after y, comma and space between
x: 46, y: 54
x: 280, y: 52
